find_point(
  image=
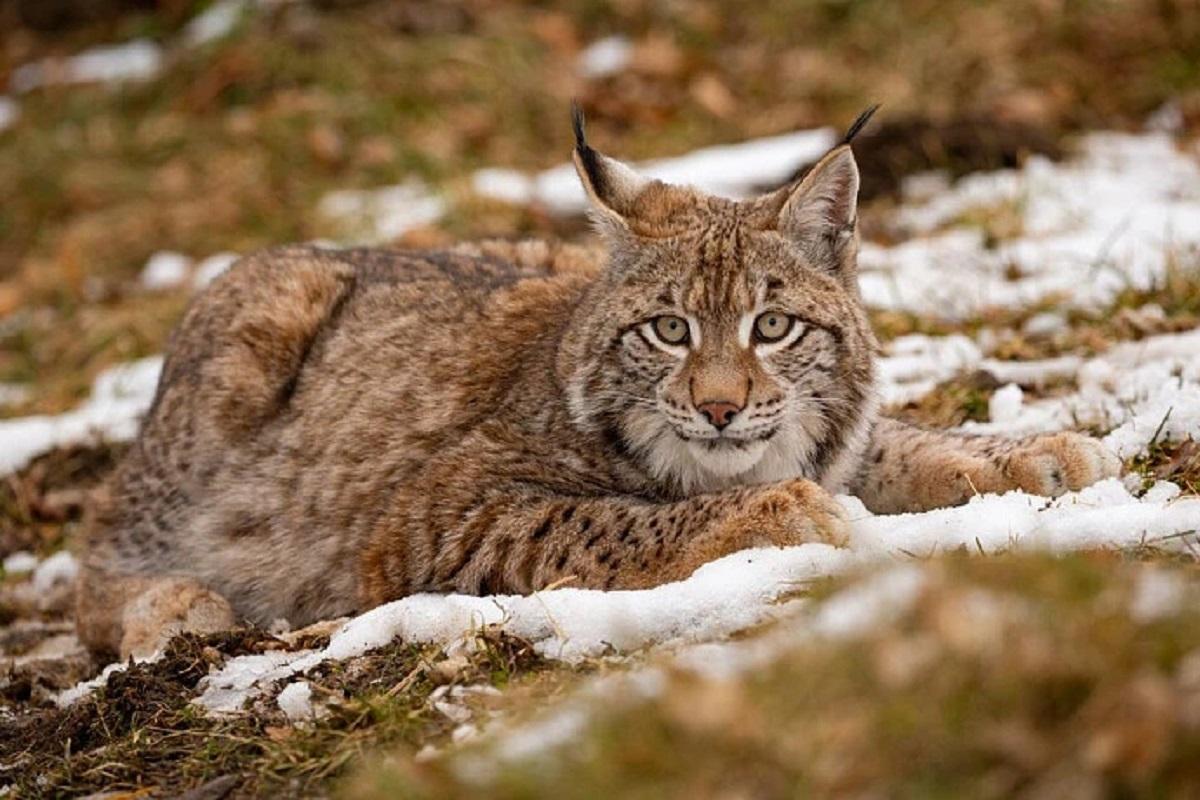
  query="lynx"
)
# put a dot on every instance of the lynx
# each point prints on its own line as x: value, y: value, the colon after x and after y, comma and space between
x: 334, y: 429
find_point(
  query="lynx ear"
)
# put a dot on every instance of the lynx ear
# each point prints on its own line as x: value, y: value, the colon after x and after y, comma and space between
x: 824, y: 206
x: 611, y: 186
x: 820, y: 213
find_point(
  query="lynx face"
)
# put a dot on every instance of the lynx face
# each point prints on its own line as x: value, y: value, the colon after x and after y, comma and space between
x: 726, y: 343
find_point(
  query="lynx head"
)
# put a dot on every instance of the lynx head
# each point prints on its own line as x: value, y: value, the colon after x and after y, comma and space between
x: 726, y: 342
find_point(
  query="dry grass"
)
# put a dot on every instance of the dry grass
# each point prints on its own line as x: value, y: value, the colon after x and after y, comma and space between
x: 141, y: 733
x: 41, y: 505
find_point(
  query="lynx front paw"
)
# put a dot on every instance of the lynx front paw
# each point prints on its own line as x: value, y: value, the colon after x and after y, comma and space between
x: 790, y: 513
x: 1061, y: 462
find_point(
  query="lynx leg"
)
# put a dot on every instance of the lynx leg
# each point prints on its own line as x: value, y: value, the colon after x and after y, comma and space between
x: 516, y: 545
x: 912, y: 469
x: 137, y: 615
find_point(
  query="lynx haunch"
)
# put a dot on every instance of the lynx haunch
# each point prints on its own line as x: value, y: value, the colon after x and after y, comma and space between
x: 338, y: 428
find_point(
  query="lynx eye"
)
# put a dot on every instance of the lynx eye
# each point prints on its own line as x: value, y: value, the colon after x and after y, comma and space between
x: 772, y: 326
x: 671, y: 329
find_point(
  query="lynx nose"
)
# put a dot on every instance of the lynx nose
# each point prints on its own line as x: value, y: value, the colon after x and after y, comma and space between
x: 720, y: 414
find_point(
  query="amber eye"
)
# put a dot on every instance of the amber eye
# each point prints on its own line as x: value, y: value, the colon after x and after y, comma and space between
x: 772, y: 326
x: 672, y: 330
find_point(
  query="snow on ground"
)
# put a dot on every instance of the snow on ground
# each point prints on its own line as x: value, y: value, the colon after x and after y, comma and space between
x: 215, y: 22
x: 1136, y: 390
x: 735, y: 170
x: 135, y: 60
x: 119, y: 398
x: 914, y: 365
x: 21, y: 562
x: 296, y: 702
x: 209, y: 269
x: 165, y: 270
x: 853, y: 612
x: 1109, y: 219
x: 55, y: 573
x: 9, y: 112
x: 140, y: 59
x: 384, y: 214
x: 168, y: 270
x: 605, y: 57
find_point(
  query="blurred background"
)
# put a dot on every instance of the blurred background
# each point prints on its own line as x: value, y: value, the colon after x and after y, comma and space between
x: 133, y: 127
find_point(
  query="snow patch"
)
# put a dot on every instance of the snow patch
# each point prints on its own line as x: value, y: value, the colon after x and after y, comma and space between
x: 10, y: 112
x: 720, y: 598
x: 140, y: 59
x: 605, y: 57
x: 20, y: 563
x: 165, y: 270
x: 851, y: 613
x: 384, y: 214
x: 55, y: 572
x: 79, y: 691
x: 13, y: 393
x: 869, y: 603
x: 1107, y: 220
x: 1005, y: 403
x: 119, y: 397
x: 1157, y: 594
x: 215, y: 22
x: 297, y: 704
x: 211, y: 268
x: 1136, y: 390
x: 916, y: 364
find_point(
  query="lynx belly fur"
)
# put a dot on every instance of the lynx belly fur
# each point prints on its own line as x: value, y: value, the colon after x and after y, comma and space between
x: 334, y: 429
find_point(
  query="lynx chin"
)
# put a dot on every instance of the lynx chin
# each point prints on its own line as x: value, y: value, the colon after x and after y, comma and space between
x: 334, y: 429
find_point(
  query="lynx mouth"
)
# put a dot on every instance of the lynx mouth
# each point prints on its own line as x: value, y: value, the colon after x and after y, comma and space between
x: 716, y: 442
x: 720, y: 443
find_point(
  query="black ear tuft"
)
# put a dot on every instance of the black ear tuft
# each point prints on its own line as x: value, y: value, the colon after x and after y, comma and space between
x: 855, y: 127
x: 577, y: 124
x: 589, y: 159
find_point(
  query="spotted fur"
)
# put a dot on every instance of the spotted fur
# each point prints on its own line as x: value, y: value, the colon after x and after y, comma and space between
x: 338, y: 428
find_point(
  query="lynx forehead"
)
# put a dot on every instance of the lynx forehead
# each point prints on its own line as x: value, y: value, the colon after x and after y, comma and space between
x: 334, y: 429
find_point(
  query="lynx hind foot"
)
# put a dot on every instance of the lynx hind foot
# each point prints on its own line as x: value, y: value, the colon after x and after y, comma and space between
x: 797, y: 512
x: 169, y: 607
x: 1061, y: 462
